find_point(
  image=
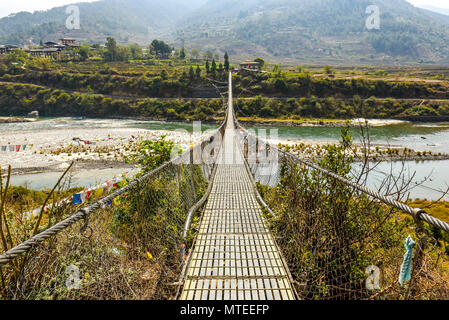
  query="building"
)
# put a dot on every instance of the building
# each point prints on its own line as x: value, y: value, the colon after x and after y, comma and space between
x: 6, y: 49
x: 68, y: 42
x: 250, y: 66
x: 45, y: 53
x: 54, y: 45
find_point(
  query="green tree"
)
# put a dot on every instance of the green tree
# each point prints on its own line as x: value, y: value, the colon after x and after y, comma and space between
x: 226, y: 61
x: 182, y: 54
x: 207, y: 66
x: 111, y: 52
x: 164, y: 74
x: 209, y: 55
x: 191, y: 74
x: 151, y: 154
x: 328, y: 70
x: 261, y: 62
x: 195, y: 54
x: 213, y: 68
x: 136, y: 51
x: 160, y: 49
x: 198, y: 72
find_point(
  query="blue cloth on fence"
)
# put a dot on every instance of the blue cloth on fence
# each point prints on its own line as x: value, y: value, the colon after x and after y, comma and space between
x: 406, y: 268
x: 77, y: 199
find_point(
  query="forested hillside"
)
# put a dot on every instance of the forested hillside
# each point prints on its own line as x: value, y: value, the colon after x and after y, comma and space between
x: 312, y: 31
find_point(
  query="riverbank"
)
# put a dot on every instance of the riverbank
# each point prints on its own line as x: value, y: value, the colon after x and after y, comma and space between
x: 330, y: 123
x: 375, y: 153
x: 52, y: 149
x: 15, y: 120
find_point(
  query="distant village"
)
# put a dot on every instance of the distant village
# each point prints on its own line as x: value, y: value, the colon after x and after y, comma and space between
x: 64, y: 49
x: 47, y: 49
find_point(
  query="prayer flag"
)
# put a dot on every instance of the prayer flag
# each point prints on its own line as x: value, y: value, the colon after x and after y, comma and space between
x: 76, y: 199
x: 4, y: 148
x: 99, y: 193
x: 17, y: 148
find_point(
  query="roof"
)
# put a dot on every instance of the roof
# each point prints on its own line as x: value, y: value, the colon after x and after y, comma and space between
x: 249, y: 63
x: 45, y: 50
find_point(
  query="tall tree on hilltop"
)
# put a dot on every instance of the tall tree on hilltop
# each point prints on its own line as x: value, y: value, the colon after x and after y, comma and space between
x: 226, y: 61
x: 213, y: 68
x: 182, y: 55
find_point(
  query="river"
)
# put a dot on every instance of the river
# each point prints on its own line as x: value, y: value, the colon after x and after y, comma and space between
x: 418, y: 136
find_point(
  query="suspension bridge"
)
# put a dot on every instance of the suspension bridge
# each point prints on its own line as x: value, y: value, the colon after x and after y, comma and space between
x: 234, y: 255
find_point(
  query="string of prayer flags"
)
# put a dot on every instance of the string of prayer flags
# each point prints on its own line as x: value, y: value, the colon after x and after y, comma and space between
x: 84, y: 196
x: 15, y: 148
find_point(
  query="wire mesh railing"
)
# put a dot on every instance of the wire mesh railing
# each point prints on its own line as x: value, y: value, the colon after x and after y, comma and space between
x: 122, y: 246
x: 342, y: 240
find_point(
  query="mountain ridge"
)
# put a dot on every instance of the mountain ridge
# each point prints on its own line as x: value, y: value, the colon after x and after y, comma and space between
x: 281, y: 30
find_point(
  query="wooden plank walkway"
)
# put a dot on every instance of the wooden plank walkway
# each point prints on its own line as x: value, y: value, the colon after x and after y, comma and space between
x: 235, y: 256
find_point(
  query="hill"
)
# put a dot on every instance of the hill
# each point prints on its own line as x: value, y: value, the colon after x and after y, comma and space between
x: 290, y: 31
x: 321, y: 30
x: 128, y: 21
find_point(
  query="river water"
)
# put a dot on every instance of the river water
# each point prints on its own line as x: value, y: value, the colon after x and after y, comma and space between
x: 417, y: 136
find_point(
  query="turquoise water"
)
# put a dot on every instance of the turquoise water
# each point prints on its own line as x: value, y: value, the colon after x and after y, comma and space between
x: 417, y: 136
x: 425, y: 179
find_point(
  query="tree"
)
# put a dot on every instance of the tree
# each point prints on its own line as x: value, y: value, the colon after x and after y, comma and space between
x: 261, y: 62
x: 153, y: 153
x: 182, y: 54
x: 198, y: 72
x: 207, y: 66
x: 213, y: 69
x: 136, y: 51
x: 111, y: 51
x: 209, y: 55
x: 160, y: 49
x: 164, y: 74
x: 195, y: 54
x: 328, y: 70
x: 226, y: 61
x: 191, y: 74
x: 124, y: 54
x: 83, y: 52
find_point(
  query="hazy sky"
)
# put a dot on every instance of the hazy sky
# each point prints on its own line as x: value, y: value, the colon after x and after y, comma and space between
x: 10, y: 6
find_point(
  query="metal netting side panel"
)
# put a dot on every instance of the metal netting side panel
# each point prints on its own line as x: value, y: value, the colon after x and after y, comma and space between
x: 340, y: 244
